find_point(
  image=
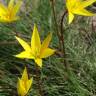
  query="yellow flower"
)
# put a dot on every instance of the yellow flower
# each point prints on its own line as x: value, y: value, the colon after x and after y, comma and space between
x: 24, y: 84
x: 9, y: 14
x: 36, y: 51
x: 78, y: 7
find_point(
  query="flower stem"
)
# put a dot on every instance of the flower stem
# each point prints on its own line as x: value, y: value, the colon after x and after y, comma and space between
x: 62, y: 40
x: 60, y: 33
x: 39, y: 81
x: 55, y: 21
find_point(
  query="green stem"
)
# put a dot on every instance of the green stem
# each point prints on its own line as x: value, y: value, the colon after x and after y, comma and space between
x: 55, y: 21
x: 39, y: 81
x: 62, y: 40
x: 60, y: 33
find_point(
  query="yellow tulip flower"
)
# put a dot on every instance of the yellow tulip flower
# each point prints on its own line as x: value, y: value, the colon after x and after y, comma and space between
x: 36, y: 51
x: 78, y: 7
x: 9, y: 14
x: 24, y: 84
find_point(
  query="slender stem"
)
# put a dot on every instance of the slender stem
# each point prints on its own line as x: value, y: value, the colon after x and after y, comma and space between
x: 39, y: 81
x: 62, y: 40
x: 60, y: 33
x: 55, y: 21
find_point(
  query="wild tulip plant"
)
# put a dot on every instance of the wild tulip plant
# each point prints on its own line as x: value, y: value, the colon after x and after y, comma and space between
x: 36, y: 50
x: 24, y: 84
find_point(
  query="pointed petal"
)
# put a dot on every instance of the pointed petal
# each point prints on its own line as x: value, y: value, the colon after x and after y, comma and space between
x: 71, y: 3
x: 3, y: 10
x: 25, y: 75
x: 35, y: 40
x: 29, y: 83
x: 83, y: 12
x: 38, y: 62
x: 25, y: 54
x: 71, y: 17
x: 17, y: 7
x: 3, y: 7
x: 87, y: 3
x: 46, y: 42
x: 20, y: 88
x: 47, y: 52
x: 23, y: 44
x: 11, y: 4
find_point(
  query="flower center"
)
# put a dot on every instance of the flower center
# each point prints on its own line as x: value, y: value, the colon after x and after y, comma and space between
x: 37, y: 53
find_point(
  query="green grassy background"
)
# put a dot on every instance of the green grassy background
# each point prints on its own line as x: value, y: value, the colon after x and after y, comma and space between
x: 80, y: 48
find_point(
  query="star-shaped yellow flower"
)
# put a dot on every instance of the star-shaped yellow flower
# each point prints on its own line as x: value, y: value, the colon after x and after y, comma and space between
x: 9, y: 14
x: 78, y: 7
x: 24, y: 84
x: 36, y: 51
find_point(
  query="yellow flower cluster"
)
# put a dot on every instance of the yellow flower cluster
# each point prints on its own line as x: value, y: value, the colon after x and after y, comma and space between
x: 36, y: 50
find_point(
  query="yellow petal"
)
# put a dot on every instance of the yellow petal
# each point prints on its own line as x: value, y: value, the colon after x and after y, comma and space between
x: 17, y: 7
x: 35, y: 40
x: 38, y: 62
x: 25, y: 54
x: 11, y: 4
x: 83, y: 12
x: 71, y: 2
x: 23, y: 44
x: 46, y: 42
x: 29, y: 83
x: 71, y: 17
x: 25, y: 75
x: 3, y: 7
x: 47, y: 52
x: 86, y: 3
x: 20, y: 88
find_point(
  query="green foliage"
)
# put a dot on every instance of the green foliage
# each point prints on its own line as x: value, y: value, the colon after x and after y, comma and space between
x: 80, y: 49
